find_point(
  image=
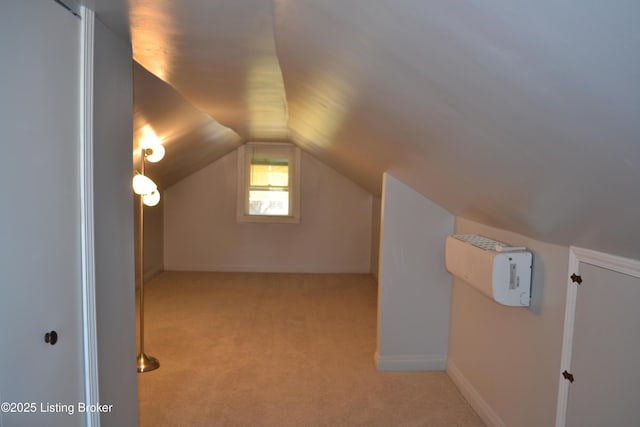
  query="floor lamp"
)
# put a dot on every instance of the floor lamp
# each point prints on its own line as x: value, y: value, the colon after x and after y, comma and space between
x: 149, y: 195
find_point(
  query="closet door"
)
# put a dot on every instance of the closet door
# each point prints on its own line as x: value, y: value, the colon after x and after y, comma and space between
x: 606, y: 350
x: 41, y: 357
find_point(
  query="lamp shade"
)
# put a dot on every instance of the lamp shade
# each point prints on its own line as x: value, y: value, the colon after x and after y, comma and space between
x: 154, y: 153
x: 152, y: 198
x: 143, y: 185
x: 148, y: 139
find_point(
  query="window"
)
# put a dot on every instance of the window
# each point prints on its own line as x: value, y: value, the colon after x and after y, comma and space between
x: 268, y: 182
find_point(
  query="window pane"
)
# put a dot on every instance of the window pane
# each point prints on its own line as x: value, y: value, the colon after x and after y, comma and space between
x: 269, y: 202
x: 265, y: 175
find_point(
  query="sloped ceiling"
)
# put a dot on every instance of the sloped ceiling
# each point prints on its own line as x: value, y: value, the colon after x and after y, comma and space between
x: 521, y: 115
x: 192, y: 139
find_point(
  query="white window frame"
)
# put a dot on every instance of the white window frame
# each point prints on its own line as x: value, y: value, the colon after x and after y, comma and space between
x: 244, y: 162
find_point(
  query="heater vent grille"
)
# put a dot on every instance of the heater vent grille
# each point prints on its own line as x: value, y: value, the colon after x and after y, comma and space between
x: 480, y: 241
x: 487, y: 244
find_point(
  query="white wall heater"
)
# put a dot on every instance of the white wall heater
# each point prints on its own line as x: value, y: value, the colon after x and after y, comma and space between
x: 500, y: 271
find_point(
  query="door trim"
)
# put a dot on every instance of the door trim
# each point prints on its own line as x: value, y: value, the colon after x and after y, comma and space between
x: 89, y: 329
x: 630, y: 267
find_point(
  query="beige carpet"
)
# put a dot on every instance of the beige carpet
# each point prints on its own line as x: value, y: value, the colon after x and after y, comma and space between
x: 242, y: 349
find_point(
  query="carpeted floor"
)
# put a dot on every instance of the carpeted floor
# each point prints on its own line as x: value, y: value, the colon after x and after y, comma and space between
x: 242, y: 349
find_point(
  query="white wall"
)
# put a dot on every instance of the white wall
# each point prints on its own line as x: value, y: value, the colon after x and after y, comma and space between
x: 376, y: 211
x: 506, y: 360
x: 201, y: 231
x: 114, y: 258
x: 413, y: 285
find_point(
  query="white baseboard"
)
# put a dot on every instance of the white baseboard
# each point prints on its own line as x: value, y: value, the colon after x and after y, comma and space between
x: 153, y: 272
x: 321, y: 269
x: 148, y: 275
x: 410, y: 362
x: 474, y: 398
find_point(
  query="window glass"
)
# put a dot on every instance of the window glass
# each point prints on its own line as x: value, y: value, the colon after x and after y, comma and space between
x: 269, y: 188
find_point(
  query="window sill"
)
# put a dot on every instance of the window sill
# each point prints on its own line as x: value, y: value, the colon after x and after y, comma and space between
x: 273, y: 219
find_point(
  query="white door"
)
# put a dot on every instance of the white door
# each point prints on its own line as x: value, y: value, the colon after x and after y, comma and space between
x: 606, y: 350
x: 40, y: 215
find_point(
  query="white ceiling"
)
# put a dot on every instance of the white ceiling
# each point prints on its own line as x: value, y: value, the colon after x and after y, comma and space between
x: 518, y: 114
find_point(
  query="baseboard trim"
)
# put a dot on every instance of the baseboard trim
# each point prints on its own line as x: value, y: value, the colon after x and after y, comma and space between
x: 474, y: 398
x: 270, y: 269
x: 410, y: 362
x: 150, y: 274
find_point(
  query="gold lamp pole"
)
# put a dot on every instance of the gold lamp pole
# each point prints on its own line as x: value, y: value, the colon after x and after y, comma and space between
x: 150, y: 196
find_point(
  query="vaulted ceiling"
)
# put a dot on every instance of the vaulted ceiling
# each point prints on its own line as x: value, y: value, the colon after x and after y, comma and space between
x: 518, y: 114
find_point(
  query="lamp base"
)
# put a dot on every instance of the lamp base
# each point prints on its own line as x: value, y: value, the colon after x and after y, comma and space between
x: 147, y: 363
